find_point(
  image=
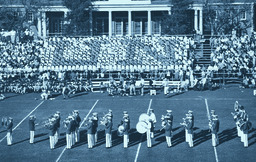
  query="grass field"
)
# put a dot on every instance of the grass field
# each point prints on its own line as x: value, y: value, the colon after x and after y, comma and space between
x: 222, y: 100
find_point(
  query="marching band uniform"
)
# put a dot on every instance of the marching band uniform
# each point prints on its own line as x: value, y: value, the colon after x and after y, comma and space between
x: 9, y: 131
x: 95, y: 122
x: 149, y: 143
x: 73, y: 130
x: 186, y: 130
x: 58, y: 125
x: 215, y: 130
x: 31, y: 123
x: 168, y: 133
x: 126, y: 132
x: 90, y: 133
x: 108, y: 131
x: 190, y: 112
x: 68, y: 134
x: 245, y: 129
x: 152, y: 117
x: 52, y: 127
x: 189, y: 127
x: 77, y: 122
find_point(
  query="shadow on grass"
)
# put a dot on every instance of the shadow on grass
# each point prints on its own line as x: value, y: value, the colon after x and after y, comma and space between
x: 27, y: 139
x: 227, y: 135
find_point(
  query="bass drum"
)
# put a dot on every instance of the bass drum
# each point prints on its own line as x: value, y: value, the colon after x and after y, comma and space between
x: 141, y: 127
x: 144, y: 117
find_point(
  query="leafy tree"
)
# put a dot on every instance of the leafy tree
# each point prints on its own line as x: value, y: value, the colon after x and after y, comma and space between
x: 79, y: 17
x: 225, y: 17
x: 180, y: 21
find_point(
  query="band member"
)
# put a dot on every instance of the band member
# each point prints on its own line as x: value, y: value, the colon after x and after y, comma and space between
x: 90, y: 135
x: 214, y: 126
x: 57, y: 134
x: 77, y: 124
x: 73, y: 130
x: 108, y: 132
x: 189, y: 127
x: 52, y: 127
x: 9, y: 126
x: 31, y: 123
x: 245, y: 127
x: 68, y: 132
x: 149, y: 135
x: 95, y: 122
x: 152, y: 116
x: 126, y: 132
x: 168, y: 132
x: 237, y: 116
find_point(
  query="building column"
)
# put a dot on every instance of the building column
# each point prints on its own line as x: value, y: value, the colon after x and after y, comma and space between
x: 110, y: 23
x: 39, y: 26
x: 149, y: 23
x: 201, y: 22
x: 129, y: 23
x: 195, y: 21
x: 44, y: 24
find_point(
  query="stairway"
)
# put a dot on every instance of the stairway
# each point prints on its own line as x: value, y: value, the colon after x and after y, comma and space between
x: 205, y: 51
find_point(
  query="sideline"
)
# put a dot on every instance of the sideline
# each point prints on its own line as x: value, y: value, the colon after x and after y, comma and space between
x: 23, y: 119
x: 208, y: 114
x: 79, y: 128
x: 138, y: 149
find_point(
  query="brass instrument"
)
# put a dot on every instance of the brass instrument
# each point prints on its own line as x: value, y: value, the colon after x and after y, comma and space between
x: 184, y: 122
x: 164, y: 123
x: 66, y: 122
x: 120, y: 130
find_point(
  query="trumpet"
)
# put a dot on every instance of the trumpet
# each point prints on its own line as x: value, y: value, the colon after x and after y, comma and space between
x: 66, y: 122
x: 184, y: 122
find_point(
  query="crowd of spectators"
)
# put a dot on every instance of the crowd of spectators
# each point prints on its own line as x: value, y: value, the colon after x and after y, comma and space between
x: 61, y: 61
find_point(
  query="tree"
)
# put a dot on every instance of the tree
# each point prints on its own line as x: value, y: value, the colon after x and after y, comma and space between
x: 224, y: 17
x: 79, y: 17
x: 180, y: 21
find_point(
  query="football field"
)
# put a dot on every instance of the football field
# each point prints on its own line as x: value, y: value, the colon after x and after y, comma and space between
x: 20, y: 107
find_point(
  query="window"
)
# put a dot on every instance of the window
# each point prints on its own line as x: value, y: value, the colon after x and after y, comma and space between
x: 30, y: 17
x: 243, y: 15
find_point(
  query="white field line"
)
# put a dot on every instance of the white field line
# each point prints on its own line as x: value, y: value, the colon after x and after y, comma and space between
x: 24, y: 119
x: 208, y: 114
x: 79, y: 128
x: 138, y: 149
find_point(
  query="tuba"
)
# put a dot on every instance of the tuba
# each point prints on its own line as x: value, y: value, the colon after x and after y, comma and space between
x: 142, y: 125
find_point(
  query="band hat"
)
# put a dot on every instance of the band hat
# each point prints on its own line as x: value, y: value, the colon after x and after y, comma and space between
x: 10, y: 118
x: 190, y: 111
x: 169, y: 111
x: 76, y: 111
x: 109, y: 110
x: 151, y: 109
x: 57, y: 112
x: 125, y: 112
x: 95, y: 113
x: 212, y: 111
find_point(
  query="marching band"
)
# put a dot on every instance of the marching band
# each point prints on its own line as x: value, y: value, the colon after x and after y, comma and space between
x: 146, y: 124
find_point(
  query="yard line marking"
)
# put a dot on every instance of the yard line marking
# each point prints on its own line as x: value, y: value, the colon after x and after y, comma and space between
x: 79, y: 128
x: 88, y: 114
x: 208, y: 114
x: 149, y: 106
x: 138, y: 149
x: 216, y: 155
x: 23, y: 119
x: 137, y: 154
